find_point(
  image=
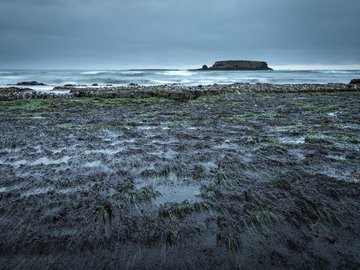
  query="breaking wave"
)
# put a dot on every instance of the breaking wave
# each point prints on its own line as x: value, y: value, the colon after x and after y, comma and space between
x: 179, y: 77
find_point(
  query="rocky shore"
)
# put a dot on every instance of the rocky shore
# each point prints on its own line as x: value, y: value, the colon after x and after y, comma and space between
x: 241, y: 176
x: 175, y: 92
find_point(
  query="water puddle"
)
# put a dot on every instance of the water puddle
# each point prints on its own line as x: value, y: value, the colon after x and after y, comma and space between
x: 292, y: 140
x: 336, y: 157
x: 168, y: 154
x: 93, y: 164
x: 103, y: 151
x: 283, y: 128
x: 49, y: 161
x: 350, y: 126
x: 74, y: 189
x: 146, y: 127
x: 4, y: 151
x: 59, y: 150
x: 173, y: 189
x: 40, y: 161
x: 226, y: 145
x: 122, y: 142
x: 177, y: 194
x: 37, y: 191
x: 297, y: 154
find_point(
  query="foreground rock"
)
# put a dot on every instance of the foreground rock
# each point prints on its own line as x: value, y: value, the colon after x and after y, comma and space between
x: 65, y: 87
x: 238, y: 65
x: 355, y: 81
x: 11, y: 93
x: 9, y: 90
x: 31, y: 83
x: 15, y: 93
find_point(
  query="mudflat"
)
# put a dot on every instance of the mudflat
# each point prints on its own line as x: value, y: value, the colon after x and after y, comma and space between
x: 230, y: 177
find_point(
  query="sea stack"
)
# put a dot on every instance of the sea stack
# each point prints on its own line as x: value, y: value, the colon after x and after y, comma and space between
x: 238, y: 65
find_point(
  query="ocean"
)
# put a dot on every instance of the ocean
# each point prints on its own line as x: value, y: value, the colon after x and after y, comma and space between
x: 166, y: 76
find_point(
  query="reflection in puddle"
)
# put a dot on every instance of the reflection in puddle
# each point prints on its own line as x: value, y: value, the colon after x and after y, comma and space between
x: 102, y: 151
x: 92, y: 164
x: 40, y: 161
x: 37, y: 191
x: 292, y: 140
x: 177, y: 194
x: 173, y: 189
x: 50, y: 161
x: 336, y: 157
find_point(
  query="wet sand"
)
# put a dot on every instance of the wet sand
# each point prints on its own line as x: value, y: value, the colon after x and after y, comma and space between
x: 220, y: 177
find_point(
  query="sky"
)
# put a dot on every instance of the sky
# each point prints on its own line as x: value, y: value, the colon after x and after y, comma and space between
x: 117, y: 34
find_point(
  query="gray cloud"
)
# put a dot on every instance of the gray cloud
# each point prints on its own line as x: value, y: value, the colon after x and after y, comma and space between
x: 131, y: 33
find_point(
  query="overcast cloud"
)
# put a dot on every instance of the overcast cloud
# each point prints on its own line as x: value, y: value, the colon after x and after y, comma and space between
x: 176, y: 33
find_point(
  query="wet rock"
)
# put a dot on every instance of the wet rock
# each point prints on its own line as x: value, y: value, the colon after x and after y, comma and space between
x: 238, y: 193
x: 65, y: 87
x: 355, y: 81
x: 10, y: 90
x: 292, y: 245
x: 30, y: 83
x: 94, y: 84
x: 330, y: 239
x: 12, y: 93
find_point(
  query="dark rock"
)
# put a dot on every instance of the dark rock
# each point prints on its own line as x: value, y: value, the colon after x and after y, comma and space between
x: 133, y: 84
x: 65, y: 87
x: 355, y: 81
x: 238, y: 65
x: 204, y: 67
x: 30, y: 83
x: 95, y: 84
x: 9, y: 90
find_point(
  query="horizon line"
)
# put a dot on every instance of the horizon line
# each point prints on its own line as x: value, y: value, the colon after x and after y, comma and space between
x: 287, y: 67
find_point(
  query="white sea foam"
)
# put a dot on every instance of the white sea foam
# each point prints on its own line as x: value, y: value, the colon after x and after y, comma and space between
x: 177, y: 73
x: 92, y: 72
x: 180, y: 77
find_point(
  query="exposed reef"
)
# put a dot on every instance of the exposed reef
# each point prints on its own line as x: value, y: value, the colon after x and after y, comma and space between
x: 241, y: 176
x: 173, y: 92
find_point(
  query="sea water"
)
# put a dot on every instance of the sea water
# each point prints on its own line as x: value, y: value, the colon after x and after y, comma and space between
x: 166, y: 76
